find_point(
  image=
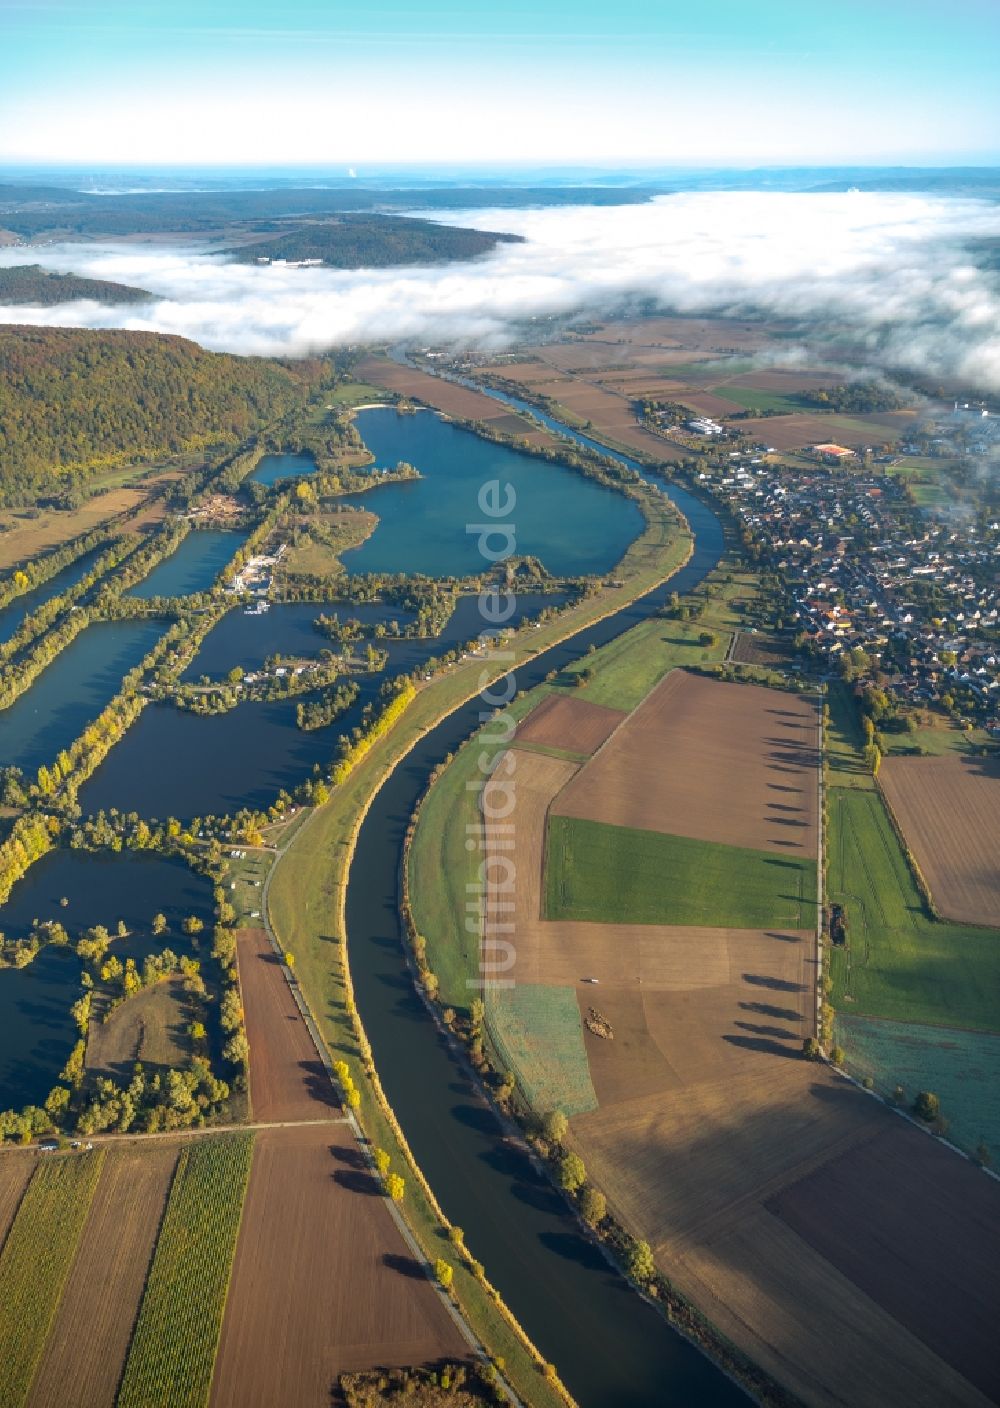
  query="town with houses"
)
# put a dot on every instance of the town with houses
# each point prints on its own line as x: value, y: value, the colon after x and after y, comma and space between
x: 876, y: 587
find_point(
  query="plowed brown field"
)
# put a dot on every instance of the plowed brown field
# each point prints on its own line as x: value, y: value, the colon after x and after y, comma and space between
x: 734, y: 763
x: 86, y: 1349
x: 561, y: 722
x: 287, y: 1079
x: 949, y: 811
x: 322, y: 1281
x: 444, y: 396
x: 943, y: 1285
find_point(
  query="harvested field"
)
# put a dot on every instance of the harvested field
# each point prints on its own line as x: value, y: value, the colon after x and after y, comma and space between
x: 25, y: 538
x: 322, y: 1283
x: 943, y: 1284
x: 287, y: 1079
x: 730, y: 763
x: 15, y: 1170
x: 562, y: 722
x: 83, y: 1359
x: 444, y: 396
x: 538, y: 1032
x: 150, y: 1027
x: 795, y: 432
x: 949, y: 812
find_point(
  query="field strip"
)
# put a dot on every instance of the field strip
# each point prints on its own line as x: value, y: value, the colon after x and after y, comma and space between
x: 172, y: 1355
x: 35, y: 1263
x: 83, y: 1358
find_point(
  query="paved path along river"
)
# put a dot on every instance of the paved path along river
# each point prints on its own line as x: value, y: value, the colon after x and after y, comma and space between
x: 611, y: 1348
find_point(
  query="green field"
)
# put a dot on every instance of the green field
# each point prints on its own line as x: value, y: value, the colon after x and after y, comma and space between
x: 900, y: 962
x: 618, y: 875
x: 356, y: 393
x: 752, y: 399
x: 36, y: 1260
x: 538, y: 1033
x: 172, y: 1355
x: 845, y: 765
x: 962, y: 1068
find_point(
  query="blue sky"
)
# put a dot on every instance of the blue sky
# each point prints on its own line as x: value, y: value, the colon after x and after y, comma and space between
x: 305, y: 81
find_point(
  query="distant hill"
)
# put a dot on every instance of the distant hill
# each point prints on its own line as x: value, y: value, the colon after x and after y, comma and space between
x: 374, y: 242
x: 31, y: 210
x: 76, y: 401
x: 31, y: 285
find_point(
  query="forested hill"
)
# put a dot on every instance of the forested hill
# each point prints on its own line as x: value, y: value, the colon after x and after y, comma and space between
x: 73, y: 401
x: 29, y: 285
x: 374, y: 242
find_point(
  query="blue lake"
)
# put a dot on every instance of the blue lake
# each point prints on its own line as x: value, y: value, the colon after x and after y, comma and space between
x: 572, y: 524
x: 13, y: 616
x: 175, y: 763
x: 287, y: 628
x: 273, y: 468
x: 72, y: 691
x: 193, y: 567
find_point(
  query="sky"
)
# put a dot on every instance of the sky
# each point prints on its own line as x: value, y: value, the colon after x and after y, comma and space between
x: 744, y: 82
x: 889, y: 276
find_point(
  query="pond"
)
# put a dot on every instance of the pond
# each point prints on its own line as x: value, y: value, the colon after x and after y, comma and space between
x: 247, y: 638
x: 72, y: 691
x: 13, y: 616
x: 103, y: 887
x: 572, y: 524
x: 175, y: 763
x: 193, y: 566
x: 273, y: 468
x: 37, y: 1033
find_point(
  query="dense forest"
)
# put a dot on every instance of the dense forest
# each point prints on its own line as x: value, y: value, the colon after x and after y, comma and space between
x: 74, y: 401
x: 30, y: 284
x: 374, y: 242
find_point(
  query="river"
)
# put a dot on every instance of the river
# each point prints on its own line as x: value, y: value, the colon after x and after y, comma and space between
x: 611, y: 1347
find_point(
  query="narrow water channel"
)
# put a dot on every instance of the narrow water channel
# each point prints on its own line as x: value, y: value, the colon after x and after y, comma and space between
x: 611, y: 1348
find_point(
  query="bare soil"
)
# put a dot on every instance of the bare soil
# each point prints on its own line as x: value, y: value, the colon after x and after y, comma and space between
x: 949, y: 811
x: 287, y: 1079
x: 323, y: 1284
x: 941, y: 1278
x: 558, y: 719
x: 85, y: 1351
x: 734, y: 763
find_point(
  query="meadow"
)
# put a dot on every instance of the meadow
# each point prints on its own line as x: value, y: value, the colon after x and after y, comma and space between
x: 620, y: 875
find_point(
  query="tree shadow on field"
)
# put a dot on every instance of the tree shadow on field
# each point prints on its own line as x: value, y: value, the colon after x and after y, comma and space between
x: 317, y: 1083
x: 764, y: 1045
x: 779, y: 1033
x: 761, y: 980
x: 357, y: 1181
x: 344, y: 1154
x: 782, y: 864
x: 407, y: 1266
x: 785, y: 1014
x: 777, y: 934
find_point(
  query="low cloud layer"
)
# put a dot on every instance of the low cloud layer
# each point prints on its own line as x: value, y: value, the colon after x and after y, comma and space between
x: 891, y: 273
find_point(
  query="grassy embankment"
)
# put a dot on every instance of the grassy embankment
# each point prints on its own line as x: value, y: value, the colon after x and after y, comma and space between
x: 914, y: 996
x: 306, y: 911
x: 36, y: 1260
x: 619, y: 875
x: 172, y: 1354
